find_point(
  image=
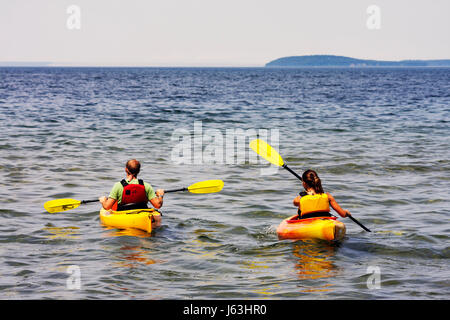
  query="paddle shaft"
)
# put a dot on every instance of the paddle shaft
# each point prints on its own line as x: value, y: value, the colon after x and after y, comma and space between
x: 88, y: 201
x: 165, y: 191
x: 207, y: 186
x: 130, y: 204
x: 175, y: 190
x: 359, y: 224
x: 291, y: 171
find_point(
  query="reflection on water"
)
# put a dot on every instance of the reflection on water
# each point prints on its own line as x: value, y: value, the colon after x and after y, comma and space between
x: 315, y: 261
x: 204, y: 245
x: 393, y: 232
x: 133, y: 256
x: 62, y: 232
x: 113, y: 232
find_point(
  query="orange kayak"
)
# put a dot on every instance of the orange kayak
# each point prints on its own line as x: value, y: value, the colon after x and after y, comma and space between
x: 325, y: 228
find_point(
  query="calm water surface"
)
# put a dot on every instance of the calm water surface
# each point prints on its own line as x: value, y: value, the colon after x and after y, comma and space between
x: 379, y: 139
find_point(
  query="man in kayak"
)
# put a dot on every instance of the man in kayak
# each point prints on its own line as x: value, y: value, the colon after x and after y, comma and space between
x: 132, y: 193
x: 314, y: 202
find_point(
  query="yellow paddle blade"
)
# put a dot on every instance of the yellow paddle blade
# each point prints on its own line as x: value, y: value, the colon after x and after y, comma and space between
x: 207, y: 186
x: 59, y: 205
x: 267, y: 152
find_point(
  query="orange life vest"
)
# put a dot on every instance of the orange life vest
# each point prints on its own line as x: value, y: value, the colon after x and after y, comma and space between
x: 314, y: 203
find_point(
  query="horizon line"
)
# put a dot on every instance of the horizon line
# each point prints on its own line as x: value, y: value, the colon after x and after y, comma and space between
x: 177, y: 65
x: 206, y: 66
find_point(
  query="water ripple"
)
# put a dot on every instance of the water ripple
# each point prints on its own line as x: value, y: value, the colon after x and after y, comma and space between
x: 377, y: 137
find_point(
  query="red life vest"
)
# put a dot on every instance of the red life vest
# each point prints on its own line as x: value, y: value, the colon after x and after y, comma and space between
x: 133, y: 196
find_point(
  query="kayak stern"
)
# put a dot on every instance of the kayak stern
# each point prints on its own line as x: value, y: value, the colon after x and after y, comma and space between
x: 325, y: 228
x: 141, y: 219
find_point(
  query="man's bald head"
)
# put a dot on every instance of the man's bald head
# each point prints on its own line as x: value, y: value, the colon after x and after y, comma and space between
x: 133, y: 166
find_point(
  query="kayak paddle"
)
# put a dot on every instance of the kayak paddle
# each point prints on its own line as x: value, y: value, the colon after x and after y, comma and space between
x: 59, y: 205
x: 208, y: 186
x: 270, y: 154
x: 358, y: 223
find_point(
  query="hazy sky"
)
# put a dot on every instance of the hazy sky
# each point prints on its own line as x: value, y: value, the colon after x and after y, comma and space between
x: 220, y: 32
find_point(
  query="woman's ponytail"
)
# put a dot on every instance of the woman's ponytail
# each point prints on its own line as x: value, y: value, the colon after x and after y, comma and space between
x: 312, y: 180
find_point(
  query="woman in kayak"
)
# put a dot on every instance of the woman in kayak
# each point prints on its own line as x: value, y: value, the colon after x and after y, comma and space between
x: 314, y: 202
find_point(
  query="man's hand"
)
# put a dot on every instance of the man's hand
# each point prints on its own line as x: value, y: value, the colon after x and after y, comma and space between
x: 160, y: 193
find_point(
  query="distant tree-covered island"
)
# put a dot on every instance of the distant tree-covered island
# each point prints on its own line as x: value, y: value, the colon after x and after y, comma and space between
x: 341, y: 61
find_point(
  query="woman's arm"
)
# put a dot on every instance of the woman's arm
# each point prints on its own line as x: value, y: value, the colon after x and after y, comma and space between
x: 296, y: 202
x: 342, y: 212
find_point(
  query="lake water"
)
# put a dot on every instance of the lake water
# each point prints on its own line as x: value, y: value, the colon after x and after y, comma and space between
x: 378, y: 138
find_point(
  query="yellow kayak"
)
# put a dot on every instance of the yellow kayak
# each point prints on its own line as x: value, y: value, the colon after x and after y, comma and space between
x: 325, y: 228
x: 141, y: 219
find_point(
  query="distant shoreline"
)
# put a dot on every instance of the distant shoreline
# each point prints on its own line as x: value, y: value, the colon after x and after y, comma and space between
x: 315, y: 62
x: 347, y: 62
x: 24, y: 64
x: 218, y: 67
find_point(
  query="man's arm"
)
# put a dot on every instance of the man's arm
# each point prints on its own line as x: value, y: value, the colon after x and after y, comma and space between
x: 157, y: 201
x: 107, y: 203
